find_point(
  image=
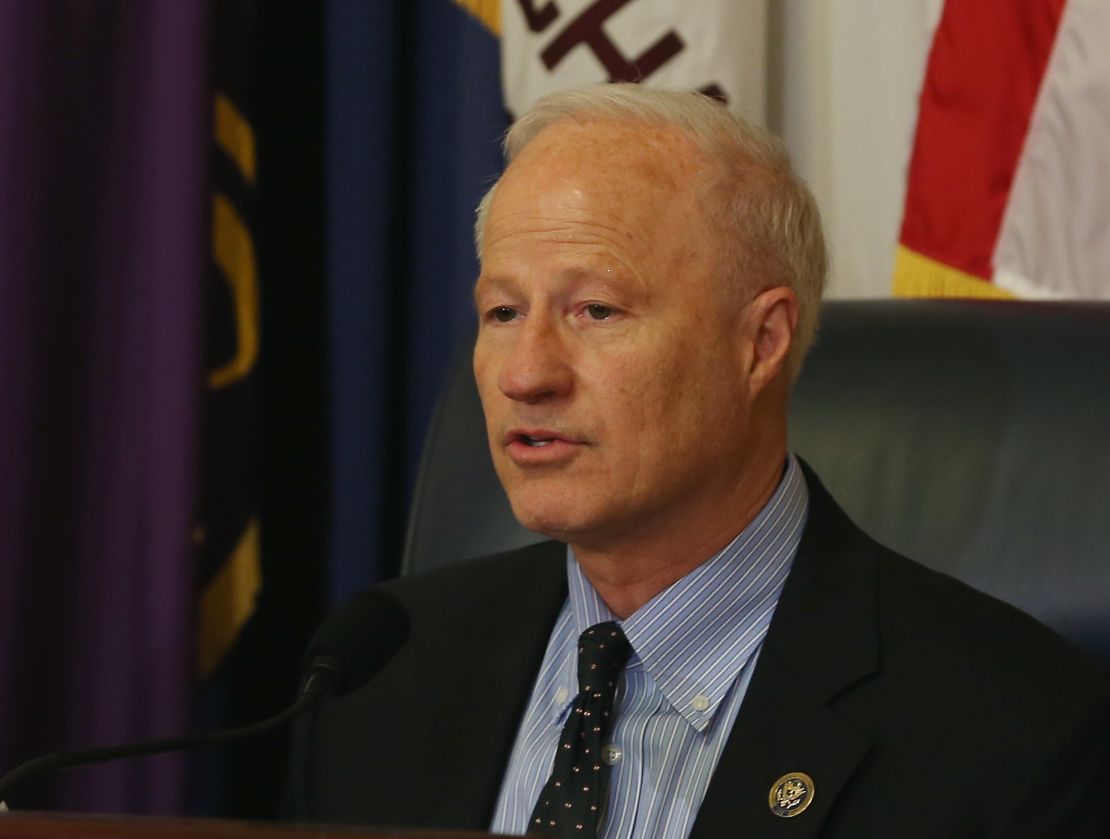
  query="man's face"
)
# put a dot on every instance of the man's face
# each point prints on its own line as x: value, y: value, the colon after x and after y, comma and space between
x: 609, y: 359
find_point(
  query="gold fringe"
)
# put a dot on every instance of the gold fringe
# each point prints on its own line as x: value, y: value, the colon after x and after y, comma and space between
x: 228, y: 601
x: 919, y: 276
x: 234, y: 135
x: 233, y: 251
x: 487, y: 11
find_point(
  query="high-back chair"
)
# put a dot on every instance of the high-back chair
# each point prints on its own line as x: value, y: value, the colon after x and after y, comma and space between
x: 971, y: 436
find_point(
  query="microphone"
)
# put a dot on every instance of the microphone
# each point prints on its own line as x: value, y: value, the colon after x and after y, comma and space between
x: 356, y: 641
x: 351, y: 647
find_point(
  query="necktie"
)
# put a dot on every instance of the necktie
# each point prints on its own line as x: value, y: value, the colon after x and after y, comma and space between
x: 571, y: 801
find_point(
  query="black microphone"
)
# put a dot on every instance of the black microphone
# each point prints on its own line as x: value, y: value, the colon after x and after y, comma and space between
x: 356, y: 641
x: 351, y: 647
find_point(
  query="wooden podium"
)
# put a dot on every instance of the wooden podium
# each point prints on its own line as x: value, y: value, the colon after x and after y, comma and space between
x: 77, y: 826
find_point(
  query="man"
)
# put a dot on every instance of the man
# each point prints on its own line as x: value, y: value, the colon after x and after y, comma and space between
x: 651, y: 271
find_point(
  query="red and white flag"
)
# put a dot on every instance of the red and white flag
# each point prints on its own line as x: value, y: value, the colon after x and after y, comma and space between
x: 717, y: 46
x: 1009, y: 182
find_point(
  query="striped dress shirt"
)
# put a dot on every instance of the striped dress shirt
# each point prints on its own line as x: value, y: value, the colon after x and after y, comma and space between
x: 694, y: 647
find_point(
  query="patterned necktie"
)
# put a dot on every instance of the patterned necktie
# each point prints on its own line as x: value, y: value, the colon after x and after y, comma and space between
x: 571, y: 802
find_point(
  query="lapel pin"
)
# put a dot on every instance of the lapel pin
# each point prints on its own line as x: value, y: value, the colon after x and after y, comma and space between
x: 791, y: 795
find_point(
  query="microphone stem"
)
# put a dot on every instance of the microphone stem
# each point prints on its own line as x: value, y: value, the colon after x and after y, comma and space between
x: 85, y: 757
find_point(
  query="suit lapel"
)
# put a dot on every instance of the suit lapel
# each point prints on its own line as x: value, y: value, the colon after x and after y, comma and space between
x: 822, y: 640
x: 488, y: 680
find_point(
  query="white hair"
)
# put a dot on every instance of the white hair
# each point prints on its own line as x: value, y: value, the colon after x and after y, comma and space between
x: 769, y: 223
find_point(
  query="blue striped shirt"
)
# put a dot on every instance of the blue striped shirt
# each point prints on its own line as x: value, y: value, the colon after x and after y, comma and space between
x: 694, y: 647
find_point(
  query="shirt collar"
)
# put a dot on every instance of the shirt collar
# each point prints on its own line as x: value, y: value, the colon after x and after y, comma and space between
x: 695, y: 637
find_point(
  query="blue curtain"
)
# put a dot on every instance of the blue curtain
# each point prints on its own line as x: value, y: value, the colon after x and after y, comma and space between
x: 414, y: 117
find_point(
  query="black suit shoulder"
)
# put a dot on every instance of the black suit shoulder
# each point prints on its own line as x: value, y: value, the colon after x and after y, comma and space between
x: 935, y: 621
x: 928, y: 626
x: 977, y: 714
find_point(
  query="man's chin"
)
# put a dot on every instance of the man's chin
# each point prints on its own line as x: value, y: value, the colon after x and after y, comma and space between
x: 550, y: 521
x: 552, y: 527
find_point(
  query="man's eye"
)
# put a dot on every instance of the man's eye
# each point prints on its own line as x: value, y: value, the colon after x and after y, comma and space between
x: 599, y: 311
x: 504, y: 314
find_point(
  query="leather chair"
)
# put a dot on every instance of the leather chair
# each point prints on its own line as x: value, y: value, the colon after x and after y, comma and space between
x: 972, y: 436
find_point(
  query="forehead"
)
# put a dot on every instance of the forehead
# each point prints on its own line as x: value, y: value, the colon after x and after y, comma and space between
x: 636, y: 149
x: 631, y: 175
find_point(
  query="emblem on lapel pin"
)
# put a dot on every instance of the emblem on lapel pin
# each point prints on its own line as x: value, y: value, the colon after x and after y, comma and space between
x: 791, y: 795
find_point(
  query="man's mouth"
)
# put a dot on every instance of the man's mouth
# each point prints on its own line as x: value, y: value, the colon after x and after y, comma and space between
x: 539, y: 436
x: 525, y: 445
x: 536, y: 442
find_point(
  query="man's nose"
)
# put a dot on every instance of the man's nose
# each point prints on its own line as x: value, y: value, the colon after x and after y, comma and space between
x: 537, y: 366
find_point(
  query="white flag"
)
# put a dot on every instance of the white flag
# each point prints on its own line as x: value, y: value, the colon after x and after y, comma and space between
x: 716, y: 46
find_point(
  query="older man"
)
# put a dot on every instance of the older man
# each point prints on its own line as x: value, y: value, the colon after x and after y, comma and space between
x: 709, y: 648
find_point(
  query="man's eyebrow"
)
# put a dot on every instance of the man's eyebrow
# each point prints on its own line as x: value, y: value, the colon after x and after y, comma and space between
x: 496, y: 283
x: 617, y: 280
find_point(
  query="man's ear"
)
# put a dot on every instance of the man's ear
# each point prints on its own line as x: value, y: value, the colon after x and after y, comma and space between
x: 771, y: 319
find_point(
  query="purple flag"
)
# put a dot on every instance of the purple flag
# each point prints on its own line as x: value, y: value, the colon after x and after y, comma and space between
x: 103, y: 142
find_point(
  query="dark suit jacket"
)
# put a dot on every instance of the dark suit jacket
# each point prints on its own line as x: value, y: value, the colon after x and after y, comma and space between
x: 919, y: 707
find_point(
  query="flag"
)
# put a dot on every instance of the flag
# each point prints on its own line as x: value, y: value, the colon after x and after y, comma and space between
x: 414, y: 116
x: 258, y: 524
x: 1009, y: 181
x: 716, y: 46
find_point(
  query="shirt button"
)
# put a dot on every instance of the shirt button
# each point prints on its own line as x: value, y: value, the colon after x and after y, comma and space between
x: 561, y: 695
x: 700, y: 702
x: 612, y: 754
